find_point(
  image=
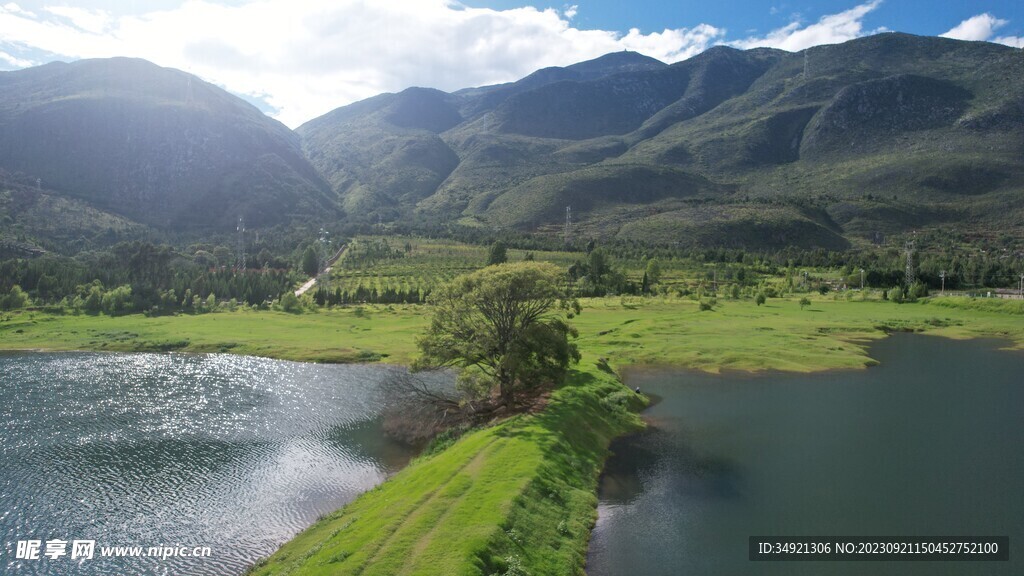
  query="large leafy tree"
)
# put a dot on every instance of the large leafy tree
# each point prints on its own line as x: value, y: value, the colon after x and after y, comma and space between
x: 505, y: 326
x: 310, y: 262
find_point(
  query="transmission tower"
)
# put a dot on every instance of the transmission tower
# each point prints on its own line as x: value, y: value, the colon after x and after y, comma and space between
x: 910, y: 276
x: 325, y: 253
x: 568, y: 225
x: 240, y: 247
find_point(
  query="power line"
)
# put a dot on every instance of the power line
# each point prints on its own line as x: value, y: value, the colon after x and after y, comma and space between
x: 910, y: 276
x: 324, y: 243
x: 240, y: 246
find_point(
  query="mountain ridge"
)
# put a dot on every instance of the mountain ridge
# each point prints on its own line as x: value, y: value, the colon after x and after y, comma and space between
x: 829, y: 147
x: 154, y: 145
x: 877, y: 135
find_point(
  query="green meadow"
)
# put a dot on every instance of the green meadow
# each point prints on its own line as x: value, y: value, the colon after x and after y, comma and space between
x: 734, y: 334
x: 358, y: 334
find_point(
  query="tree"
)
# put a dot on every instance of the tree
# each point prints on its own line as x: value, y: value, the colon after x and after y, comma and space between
x: 597, y: 265
x: 498, y: 254
x: 804, y: 302
x: 504, y: 326
x: 896, y: 295
x: 223, y: 255
x: 94, y: 300
x: 760, y: 298
x: 117, y: 300
x: 290, y: 302
x: 310, y: 262
x: 653, y: 271
x: 204, y: 259
x: 15, y: 299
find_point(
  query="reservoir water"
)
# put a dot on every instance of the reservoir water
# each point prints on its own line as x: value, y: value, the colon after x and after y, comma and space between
x: 228, y: 452
x: 928, y: 443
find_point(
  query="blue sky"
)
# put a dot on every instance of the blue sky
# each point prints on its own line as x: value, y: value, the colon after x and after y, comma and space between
x: 750, y: 17
x: 298, y: 59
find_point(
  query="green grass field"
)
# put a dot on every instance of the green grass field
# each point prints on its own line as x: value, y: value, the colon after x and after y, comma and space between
x: 735, y: 334
x: 357, y: 334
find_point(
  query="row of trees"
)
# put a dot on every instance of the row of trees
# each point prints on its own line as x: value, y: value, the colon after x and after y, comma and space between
x: 364, y: 295
x: 138, y: 277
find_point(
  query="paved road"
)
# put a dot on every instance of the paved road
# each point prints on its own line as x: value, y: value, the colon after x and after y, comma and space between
x: 312, y: 281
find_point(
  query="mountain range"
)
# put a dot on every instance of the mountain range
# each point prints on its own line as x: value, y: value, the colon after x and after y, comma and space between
x: 829, y: 147
x: 105, y: 147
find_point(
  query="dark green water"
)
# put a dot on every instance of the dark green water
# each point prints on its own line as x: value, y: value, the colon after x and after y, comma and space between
x: 930, y: 442
x: 230, y: 452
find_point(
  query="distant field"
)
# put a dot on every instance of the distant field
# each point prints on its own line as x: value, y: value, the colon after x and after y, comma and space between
x: 410, y: 263
x: 406, y: 263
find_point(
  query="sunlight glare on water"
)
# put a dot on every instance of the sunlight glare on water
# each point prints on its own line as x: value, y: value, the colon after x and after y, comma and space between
x: 232, y: 452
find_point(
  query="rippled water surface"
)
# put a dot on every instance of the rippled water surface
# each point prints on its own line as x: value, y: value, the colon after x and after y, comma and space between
x: 231, y: 452
x: 927, y: 443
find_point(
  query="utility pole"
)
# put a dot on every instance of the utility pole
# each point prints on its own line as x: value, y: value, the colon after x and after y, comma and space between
x: 943, y: 276
x: 240, y: 246
x: 568, y: 225
x: 909, y: 276
x: 1020, y: 291
x: 325, y: 254
x: 861, y: 279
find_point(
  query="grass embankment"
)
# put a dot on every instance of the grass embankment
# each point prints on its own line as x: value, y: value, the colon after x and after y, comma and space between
x: 519, y: 495
x: 361, y: 334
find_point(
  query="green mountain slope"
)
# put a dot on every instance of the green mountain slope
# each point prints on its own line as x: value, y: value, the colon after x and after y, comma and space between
x: 154, y: 146
x: 384, y: 152
x: 757, y: 148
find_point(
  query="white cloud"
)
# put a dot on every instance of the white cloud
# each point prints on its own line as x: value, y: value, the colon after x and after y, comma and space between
x: 831, y: 29
x: 306, y: 57
x: 95, y: 21
x: 13, y: 61
x: 1015, y: 41
x: 15, y: 9
x: 980, y: 28
x: 673, y: 45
